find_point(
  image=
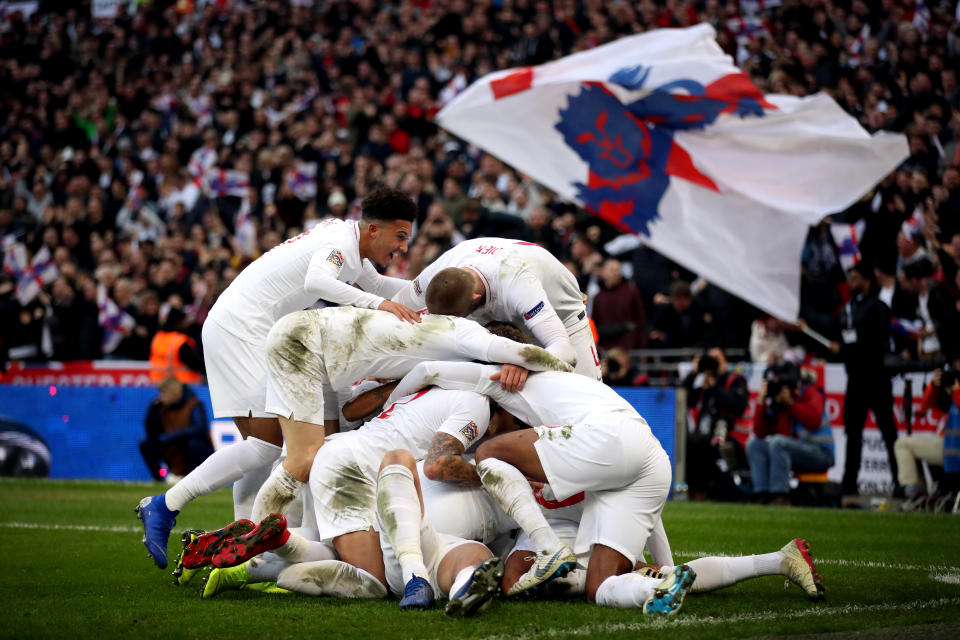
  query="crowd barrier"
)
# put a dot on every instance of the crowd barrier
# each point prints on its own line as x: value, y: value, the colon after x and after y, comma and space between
x: 94, y: 431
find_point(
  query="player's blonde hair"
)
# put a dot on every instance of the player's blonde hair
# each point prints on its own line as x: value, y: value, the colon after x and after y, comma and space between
x: 450, y: 292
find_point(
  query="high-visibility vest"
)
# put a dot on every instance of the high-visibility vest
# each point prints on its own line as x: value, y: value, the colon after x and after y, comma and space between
x: 165, y: 358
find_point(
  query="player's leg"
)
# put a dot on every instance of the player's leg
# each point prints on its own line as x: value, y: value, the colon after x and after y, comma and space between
x: 522, y: 555
x: 471, y: 576
x: 236, y: 379
x: 400, y: 510
x: 794, y: 561
x: 259, y: 430
x: 504, y: 464
x: 332, y: 578
x: 297, y: 392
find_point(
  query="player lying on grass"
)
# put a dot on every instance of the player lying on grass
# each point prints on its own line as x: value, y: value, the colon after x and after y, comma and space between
x: 588, y: 439
x: 418, y: 561
x: 510, y: 281
x: 318, y: 264
x: 312, y: 353
x: 793, y: 561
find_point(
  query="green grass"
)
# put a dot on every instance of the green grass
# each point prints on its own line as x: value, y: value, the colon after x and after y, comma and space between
x: 879, y: 570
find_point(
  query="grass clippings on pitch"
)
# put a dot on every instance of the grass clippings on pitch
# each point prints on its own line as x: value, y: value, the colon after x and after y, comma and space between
x: 73, y: 566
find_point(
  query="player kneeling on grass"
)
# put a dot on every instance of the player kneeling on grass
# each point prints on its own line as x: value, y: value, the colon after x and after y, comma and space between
x: 600, y: 445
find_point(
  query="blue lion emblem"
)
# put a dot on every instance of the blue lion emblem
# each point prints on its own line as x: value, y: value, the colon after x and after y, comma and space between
x: 630, y: 148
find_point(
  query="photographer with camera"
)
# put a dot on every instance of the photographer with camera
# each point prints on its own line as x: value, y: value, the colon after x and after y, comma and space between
x: 942, y: 399
x: 792, y: 432
x: 865, y: 341
x: 718, y: 398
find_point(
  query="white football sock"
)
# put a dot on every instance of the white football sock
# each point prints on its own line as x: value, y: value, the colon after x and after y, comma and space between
x: 511, y: 491
x: 331, y: 578
x: 245, y: 491
x: 276, y: 494
x: 220, y: 469
x: 628, y: 591
x: 461, y: 580
x: 299, y: 548
x: 399, y: 509
x: 716, y: 572
x: 266, y: 567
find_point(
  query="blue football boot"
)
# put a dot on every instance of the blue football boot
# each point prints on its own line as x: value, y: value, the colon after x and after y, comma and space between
x: 417, y: 594
x: 157, y: 520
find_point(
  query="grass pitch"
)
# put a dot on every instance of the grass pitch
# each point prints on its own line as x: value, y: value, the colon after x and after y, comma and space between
x: 73, y: 566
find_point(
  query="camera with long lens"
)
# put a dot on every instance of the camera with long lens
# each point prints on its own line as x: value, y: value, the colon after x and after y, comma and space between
x: 777, y: 377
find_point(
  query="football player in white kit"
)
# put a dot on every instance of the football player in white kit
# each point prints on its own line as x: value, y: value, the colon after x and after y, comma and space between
x: 436, y: 424
x: 793, y: 561
x: 417, y: 561
x: 586, y: 438
x: 511, y: 281
x: 321, y: 263
x: 312, y: 353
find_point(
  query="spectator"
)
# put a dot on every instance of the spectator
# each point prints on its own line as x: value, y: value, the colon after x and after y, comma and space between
x: 681, y: 323
x: 177, y: 432
x: 791, y: 433
x: 618, y: 310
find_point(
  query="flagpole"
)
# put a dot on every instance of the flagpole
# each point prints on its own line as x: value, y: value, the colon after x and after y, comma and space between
x: 813, y: 334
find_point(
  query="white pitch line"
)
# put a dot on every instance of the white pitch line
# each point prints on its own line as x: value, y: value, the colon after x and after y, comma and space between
x: 683, y: 620
x: 858, y: 564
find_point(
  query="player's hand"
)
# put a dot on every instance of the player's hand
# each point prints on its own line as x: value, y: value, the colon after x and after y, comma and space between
x: 511, y: 377
x: 401, y: 311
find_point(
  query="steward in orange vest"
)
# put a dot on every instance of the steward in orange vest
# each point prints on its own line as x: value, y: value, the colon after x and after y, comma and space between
x: 174, y: 353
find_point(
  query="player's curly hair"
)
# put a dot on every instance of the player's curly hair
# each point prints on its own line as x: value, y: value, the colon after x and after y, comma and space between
x: 450, y: 292
x: 509, y: 331
x: 386, y: 204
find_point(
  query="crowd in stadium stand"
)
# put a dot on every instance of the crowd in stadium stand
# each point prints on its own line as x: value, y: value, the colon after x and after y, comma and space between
x: 150, y: 158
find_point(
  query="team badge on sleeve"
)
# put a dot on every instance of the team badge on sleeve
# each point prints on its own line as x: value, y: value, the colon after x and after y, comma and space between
x: 470, y: 431
x: 417, y: 289
x: 336, y: 259
x: 537, y: 309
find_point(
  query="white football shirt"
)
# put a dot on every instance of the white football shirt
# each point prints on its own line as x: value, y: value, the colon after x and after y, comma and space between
x: 320, y: 263
x: 525, y: 283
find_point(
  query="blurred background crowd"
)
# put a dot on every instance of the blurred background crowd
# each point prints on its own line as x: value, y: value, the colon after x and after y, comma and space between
x: 144, y: 161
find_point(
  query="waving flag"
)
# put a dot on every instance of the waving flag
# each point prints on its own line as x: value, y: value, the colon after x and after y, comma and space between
x: 201, y: 160
x: 906, y: 327
x: 32, y: 277
x: 302, y: 180
x: 116, y: 323
x: 219, y: 183
x: 245, y: 230
x: 847, y: 238
x: 660, y: 134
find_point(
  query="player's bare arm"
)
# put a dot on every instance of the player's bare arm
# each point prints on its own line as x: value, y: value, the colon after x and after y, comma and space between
x: 368, y: 402
x: 445, y: 462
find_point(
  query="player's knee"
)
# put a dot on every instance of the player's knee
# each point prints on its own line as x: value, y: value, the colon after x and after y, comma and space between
x: 400, y: 457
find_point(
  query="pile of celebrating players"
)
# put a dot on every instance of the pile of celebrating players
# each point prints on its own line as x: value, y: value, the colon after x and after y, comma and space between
x: 414, y: 439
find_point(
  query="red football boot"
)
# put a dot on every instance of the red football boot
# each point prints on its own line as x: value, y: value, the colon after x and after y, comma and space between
x: 199, y: 551
x: 269, y: 534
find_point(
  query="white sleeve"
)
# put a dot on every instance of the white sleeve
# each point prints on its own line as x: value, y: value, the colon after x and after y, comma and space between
x: 469, y: 420
x: 526, y: 298
x: 477, y: 343
x: 461, y: 376
x: 374, y: 282
x: 321, y: 281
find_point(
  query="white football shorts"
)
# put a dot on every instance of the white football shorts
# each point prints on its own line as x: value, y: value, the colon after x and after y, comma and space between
x: 236, y: 373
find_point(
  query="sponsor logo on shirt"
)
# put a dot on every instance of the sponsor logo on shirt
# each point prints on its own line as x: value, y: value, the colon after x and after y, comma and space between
x: 537, y: 309
x: 487, y: 250
x: 417, y: 289
x: 469, y: 431
x: 336, y: 259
